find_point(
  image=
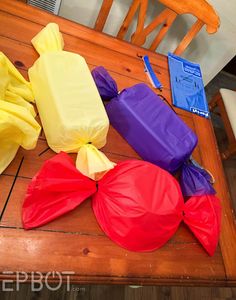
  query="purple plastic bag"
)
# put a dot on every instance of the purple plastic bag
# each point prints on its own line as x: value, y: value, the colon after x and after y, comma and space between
x: 154, y: 130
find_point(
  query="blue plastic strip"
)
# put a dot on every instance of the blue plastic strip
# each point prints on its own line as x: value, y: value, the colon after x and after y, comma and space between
x: 151, y: 74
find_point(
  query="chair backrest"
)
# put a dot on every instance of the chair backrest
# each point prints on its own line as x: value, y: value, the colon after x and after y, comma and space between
x: 201, y: 9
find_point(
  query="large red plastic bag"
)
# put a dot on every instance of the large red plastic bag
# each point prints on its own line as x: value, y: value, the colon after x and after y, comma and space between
x: 137, y: 204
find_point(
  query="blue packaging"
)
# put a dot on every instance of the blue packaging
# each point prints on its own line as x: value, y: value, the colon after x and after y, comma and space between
x: 187, y: 86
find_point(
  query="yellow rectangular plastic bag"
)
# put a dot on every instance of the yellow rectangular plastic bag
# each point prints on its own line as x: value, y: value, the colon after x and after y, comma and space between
x: 72, y: 113
x: 17, y: 124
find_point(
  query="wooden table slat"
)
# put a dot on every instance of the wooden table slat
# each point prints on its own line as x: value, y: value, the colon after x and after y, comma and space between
x: 27, y: 56
x: 41, y: 17
x: 129, y: 66
x: 5, y: 188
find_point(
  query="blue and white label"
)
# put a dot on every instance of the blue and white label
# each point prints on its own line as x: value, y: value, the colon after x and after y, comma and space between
x: 199, y: 112
x: 190, y: 69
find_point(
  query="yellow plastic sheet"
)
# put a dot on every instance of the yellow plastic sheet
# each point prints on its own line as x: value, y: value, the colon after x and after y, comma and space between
x: 17, y: 124
x: 72, y: 113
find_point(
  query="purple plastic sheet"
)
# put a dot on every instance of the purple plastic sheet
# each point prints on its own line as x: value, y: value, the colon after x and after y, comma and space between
x: 154, y: 130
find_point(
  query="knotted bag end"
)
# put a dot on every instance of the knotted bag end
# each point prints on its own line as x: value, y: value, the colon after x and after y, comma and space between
x: 93, y: 163
x: 202, y: 214
x: 49, y: 39
x: 106, y: 85
x: 195, y: 180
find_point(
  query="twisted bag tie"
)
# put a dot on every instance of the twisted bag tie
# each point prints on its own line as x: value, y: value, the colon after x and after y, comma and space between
x: 137, y: 204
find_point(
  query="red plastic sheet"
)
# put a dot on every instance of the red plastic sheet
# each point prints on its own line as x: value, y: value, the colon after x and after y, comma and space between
x: 137, y: 204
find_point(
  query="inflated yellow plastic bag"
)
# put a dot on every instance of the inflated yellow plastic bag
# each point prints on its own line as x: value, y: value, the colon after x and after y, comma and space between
x: 17, y: 124
x: 72, y: 113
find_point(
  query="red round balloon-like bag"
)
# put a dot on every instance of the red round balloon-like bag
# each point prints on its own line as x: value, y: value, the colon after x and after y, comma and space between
x: 138, y: 205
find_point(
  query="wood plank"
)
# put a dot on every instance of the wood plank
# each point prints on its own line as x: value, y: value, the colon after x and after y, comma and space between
x: 201, y: 9
x: 118, y: 292
x: 69, y: 27
x: 197, y: 26
x: 129, y: 66
x: 230, y: 170
x: 33, y: 159
x: 105, y: 292
x: 27, y: 56
x: 5, y: 187
x: 85, y: 255
x: 103, y: 14
x: 11, y: 170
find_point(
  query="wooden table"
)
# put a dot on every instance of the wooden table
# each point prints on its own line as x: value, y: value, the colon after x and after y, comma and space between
x: 75, y: 242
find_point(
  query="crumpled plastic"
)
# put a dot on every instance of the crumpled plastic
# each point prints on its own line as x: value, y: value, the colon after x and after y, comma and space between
x: 18, y: 126
x: 195, y: 180
x: 69, y: 105
x: 137, y: 204
x: 154, y: 130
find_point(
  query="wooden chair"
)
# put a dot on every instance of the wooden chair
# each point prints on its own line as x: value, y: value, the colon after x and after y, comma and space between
x: 225, y: 100
x: 201, y: 9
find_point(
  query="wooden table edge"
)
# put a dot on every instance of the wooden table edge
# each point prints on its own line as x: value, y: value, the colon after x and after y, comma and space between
x: 228, y: 224
x: 123, y: 280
